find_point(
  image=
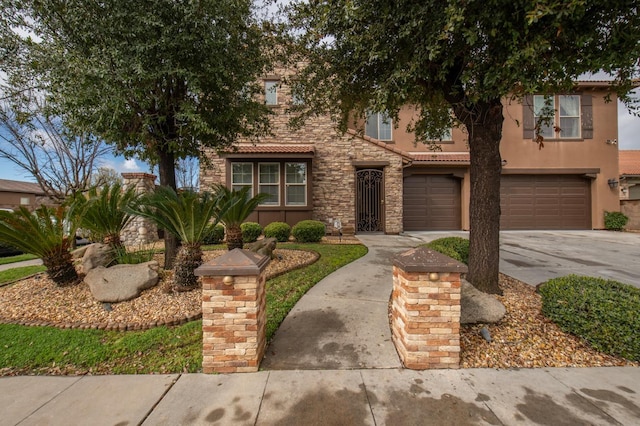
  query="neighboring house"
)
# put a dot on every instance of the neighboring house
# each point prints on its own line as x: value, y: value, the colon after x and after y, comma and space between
x: 14, y: 194
x: 630, y: 187
x: 382, y: 182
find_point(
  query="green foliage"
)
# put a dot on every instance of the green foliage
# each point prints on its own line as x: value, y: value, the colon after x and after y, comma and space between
x: 20, y: 272
x: 278, y: 230
x: 44, y: 233
x: 308, y: 231
x: 127, y: 256
x: 250, y: 232
x: 241, y: 204
x: 455, y: 247
x: 106, y: 212
x: 615, y: 221
x: 603, y: 312
x: 16, y: 258
x: 215, y: 235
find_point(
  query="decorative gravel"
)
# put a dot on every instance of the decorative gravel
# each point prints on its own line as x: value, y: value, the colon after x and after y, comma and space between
x: 38, y: 301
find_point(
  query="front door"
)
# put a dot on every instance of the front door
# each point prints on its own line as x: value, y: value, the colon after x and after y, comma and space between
x: 369, y: 200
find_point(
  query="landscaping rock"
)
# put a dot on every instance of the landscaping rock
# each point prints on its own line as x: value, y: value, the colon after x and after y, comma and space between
x: 265, y: 247
x: 96, y: 255
x: 479, y: 307
x: 79, y: 252
x: 121, y: 282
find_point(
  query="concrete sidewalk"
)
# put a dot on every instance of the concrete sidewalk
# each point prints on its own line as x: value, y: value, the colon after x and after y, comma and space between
x: 593, y: 396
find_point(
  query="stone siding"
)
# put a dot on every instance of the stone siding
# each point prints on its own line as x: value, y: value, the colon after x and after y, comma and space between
x: 140, y: 230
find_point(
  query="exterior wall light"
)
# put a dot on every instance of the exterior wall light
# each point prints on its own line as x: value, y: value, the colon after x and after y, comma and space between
x: 613, y: 183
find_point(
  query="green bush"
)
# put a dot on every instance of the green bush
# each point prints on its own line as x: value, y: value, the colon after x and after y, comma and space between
x: 455, y: 247
x: 215, y: 235
x: 308, y: 231
x: 250, y: 232
x: 603, y: 312
x: 124, y: 256
x: 278, y: 230
x: 615, y: 221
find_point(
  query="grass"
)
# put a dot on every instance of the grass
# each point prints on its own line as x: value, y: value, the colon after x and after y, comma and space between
x: 16, y: 258
x: 47, y: 350
x: 14, y: 274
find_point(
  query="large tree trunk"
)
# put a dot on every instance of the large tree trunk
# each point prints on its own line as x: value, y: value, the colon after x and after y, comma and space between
x: 483, y: 121
x: 167, y: 171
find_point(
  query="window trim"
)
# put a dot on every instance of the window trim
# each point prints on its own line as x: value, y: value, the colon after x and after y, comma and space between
x: 304, y: 185
x: 276, y: 184
x: 379, y: 121
x: 555, y: 122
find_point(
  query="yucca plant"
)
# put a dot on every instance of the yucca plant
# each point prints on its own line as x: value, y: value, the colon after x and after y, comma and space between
x: 105, y: 212
x: 188, y: 215
x: 47, y: 233
x: 241, y: 206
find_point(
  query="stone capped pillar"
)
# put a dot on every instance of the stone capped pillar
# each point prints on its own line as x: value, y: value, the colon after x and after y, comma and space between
x: 426, y: 309
x: 233, y: 312
x: 140, y: 230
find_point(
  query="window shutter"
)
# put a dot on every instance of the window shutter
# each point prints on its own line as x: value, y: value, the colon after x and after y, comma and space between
x: 586, y: 107
x: 528, y: 124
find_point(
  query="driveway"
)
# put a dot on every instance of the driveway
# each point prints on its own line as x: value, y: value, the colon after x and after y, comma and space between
x: 536, y: 256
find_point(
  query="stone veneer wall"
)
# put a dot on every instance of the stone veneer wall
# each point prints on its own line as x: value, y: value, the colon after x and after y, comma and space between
x: 631, y: 208
x: 140, y: 231
x: 333, y: 172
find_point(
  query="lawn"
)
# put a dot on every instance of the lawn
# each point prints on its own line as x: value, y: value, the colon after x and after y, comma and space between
x: 14, y: 274
x: 47, y: 350
x: 16, y: 258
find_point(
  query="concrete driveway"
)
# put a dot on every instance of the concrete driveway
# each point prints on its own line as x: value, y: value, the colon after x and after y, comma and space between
x: 536, y: 256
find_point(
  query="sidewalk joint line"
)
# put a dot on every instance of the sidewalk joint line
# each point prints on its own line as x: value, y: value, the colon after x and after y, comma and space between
x: 51, y: 399
x: 264, y: 390
x: 366, y: 393
x: 173, y: 382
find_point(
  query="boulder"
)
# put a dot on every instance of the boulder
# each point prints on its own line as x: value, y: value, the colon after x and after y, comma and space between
x: 121, y: 282
x: 79, y: 252
x: 479, y: 307
x: 265, y: 247
x: 96, y: 255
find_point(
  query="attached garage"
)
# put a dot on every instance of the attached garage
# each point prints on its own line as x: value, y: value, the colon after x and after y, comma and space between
x: 545, y: 202
x: 431, y: 203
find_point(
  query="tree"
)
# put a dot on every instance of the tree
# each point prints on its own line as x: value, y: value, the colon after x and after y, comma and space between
x: 61, y: 161
x: 159, y: 79
x: 47, y: 233
x: 106, y: 176
x: 457, y: 61
x: 241, y: 205
x: 188, y: 215
x: 187, y: 174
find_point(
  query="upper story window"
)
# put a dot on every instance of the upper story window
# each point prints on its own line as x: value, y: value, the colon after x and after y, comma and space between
x: 558, y: 117
x: 271, y: 92
x: 269, y: 183
x: 242, y: 176
x: 378, y: 126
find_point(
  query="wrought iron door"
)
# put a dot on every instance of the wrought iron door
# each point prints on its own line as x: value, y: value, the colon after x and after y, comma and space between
x: 369, y: 200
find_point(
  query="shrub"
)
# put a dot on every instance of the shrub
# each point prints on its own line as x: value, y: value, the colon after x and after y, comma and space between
x: 454, y: 247
x: 124, y: 256
x: 215, y: 235
x: 250, y: 232
x: 308, y: 231
x: 615, y: 221
x: 603, y: 312
x: 278, y: 230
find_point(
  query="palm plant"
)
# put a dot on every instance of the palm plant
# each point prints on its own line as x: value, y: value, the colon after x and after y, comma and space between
x: 47, y: 233
x: 187, y: 215
x: 241, y: 206
x: 105, y: 213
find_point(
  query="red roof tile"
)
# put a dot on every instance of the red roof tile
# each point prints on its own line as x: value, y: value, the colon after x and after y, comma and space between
x: 272, y: 149
x: 441, y: 157
x: 629, y: 162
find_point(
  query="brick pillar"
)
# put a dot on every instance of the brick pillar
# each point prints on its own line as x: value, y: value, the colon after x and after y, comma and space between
x: 426, y: 309
x: 140, y: 230
x: 233, y: 312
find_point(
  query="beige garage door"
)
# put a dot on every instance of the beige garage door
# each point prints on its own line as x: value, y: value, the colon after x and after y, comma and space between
x: 431, y: 203
x: 545, y: 202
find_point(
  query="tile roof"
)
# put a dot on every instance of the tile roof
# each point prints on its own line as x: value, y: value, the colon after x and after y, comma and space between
x: 629, y: 162
x: 18, y: 186
x: 441, y: 157
x: 272, y: 149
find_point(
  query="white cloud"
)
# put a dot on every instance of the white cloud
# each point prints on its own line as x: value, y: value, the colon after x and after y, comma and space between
x: 131, y: 165
x: 628, y: 129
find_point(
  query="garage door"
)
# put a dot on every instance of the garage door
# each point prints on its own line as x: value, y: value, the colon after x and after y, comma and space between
x: 545, y: 202
x: 431, y: 203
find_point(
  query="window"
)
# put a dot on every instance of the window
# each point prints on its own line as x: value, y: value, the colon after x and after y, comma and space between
x: 269, y: 182
x: 241, y: 176
x: 24, y: 201
x: 561, y: 122
x: 446, y: 135
x: 378, y: 126
x: 296, y: 184
x: 271, y: 92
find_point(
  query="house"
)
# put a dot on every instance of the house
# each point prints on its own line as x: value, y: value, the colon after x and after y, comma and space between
x: 629, y: 163
x: 380, y: 181
x: 14, y: 194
